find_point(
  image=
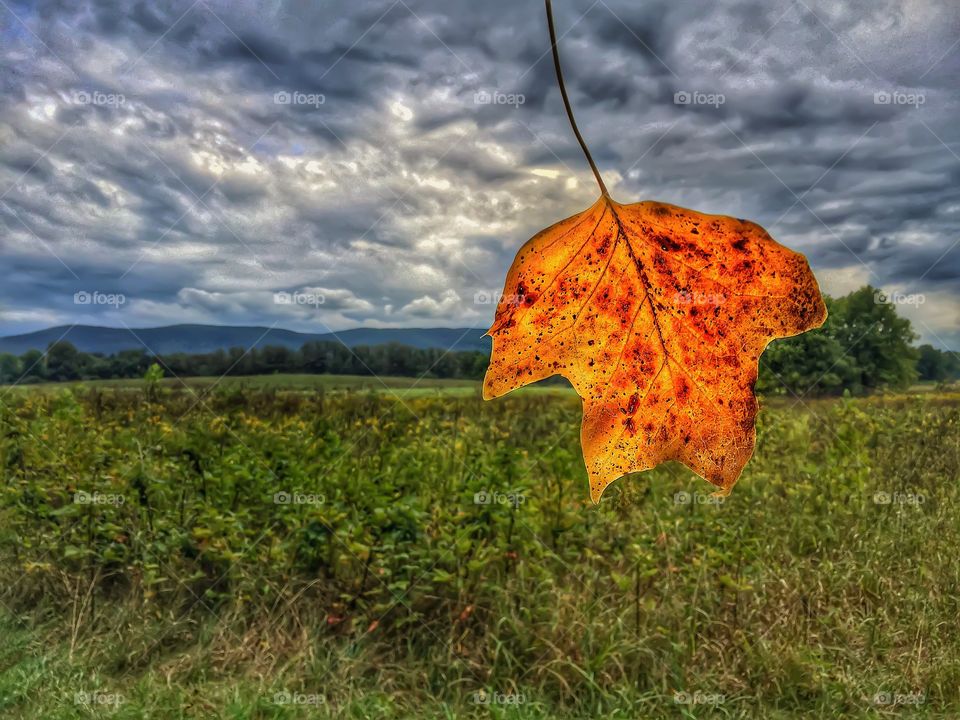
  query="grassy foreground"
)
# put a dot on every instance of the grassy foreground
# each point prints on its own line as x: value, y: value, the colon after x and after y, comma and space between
x: 242, y: 553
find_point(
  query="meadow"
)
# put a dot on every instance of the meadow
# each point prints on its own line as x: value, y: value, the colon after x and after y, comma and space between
x: 346, y: 548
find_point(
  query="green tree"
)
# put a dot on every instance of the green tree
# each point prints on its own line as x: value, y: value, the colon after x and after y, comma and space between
x: 64, y: 361
x: 9, y: 368
x: 876, y: 338
x: 32, y: 366
x: 863, y: 346
x: 811, y: 364
x: 937, y: 365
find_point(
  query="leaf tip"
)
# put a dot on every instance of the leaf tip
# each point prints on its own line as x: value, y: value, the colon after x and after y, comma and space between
x: 597, y: 487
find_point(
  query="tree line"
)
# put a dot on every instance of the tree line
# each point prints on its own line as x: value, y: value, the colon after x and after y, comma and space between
x: 863, y: 347
x: 62, y: 361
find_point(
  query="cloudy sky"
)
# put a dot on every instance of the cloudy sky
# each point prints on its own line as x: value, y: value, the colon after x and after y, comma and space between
x: 166, y: 162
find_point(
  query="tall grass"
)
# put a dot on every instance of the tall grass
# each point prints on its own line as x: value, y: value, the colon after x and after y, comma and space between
x: 146, y: 555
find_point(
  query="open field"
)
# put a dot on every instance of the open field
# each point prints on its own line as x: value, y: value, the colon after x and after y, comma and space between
x: 200, y: 386
x: 400, y: 387
x: 291, y: 382
x: 247, y: 552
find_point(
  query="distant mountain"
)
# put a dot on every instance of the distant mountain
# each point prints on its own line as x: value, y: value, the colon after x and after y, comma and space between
x: 209, y: 338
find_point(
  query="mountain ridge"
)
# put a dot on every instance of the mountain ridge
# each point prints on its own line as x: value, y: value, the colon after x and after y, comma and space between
x: 200, y: 338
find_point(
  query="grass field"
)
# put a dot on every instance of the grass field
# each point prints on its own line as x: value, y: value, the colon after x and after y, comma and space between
x: 284, y: 382
x: 242, y: 551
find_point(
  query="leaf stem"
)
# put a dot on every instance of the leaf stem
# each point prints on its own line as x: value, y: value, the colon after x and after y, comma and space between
x: 566, y: 100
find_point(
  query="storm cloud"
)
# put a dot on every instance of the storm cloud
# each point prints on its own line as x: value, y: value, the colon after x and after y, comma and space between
x: 390, y: 157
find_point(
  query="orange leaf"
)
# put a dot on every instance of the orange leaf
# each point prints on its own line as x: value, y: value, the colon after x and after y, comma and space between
x: 657, y: 316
